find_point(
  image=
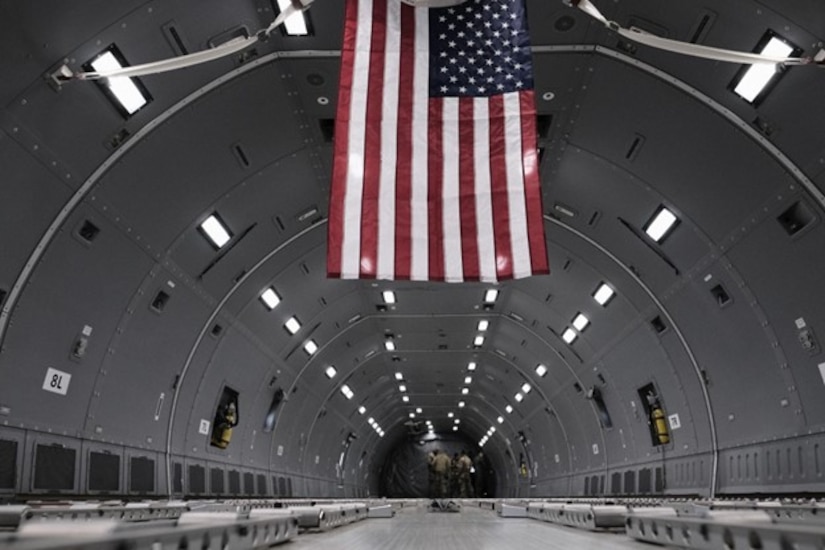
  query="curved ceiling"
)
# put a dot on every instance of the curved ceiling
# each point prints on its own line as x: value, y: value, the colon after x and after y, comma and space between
x: 729, y: 300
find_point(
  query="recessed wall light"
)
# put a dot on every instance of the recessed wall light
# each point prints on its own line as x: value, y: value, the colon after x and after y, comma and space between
x: 399, y: 376
x: 389, y: 297
x: 331, y: 372
x: 389, y: 345
x: 490, y: 296
x: 569, y: 335
x: 292, y: 325
x: 662, y: 223
x: 580, y: 322
x: 215, y: 231
x: 127, y: 93
x: 479, y: 341
x: 465, y: 391
x: 310, y: 347
x: 362, y: 409
x: 348, y: 393
x: 541, y: 370
x: 526, y: 388
x: 500, y: 419
x: 468, y: 379
x: 509, y: 409
x: 603, y: 294
x: 756, y: 78
x: 270, y: 298
x: 471, y: 366
x: 519, y: 397
x: 483, y: 325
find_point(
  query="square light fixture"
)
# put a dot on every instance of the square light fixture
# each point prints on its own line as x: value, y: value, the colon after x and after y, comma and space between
x: 541, y: 370
x: 461, y: 404
x: 450, y: 415
x: 270, y: 298
x: 468, y: 379
x: 455, y: 428
x: 753, y: 81
x: 405, y: 398
x: 661, y: 224
x: 471, y: 366
x: 215, y: 231
x: 402, y: 388
x: 569, y: 335
x: 389, y: 297
x: 479, y: 341
x: 362, y: 409
x: 509, y: 409
x: 127, y: 94
x: 331, y: 372
x: 412, y: 415
x: 483, y: 325
x: 490, y: 296
x: 580, y: 322
x: 526, y: 388
x: 292, y: 325
x: 465, y: 391
x: 310, y: 347
x: 457, y: 421
x: 389, y: 345
x: 399, y: 376
x: 603, y: 294
x: 518, y: 397
x: 418, y: 410
x: 500, y: 419
x: 348, y: 393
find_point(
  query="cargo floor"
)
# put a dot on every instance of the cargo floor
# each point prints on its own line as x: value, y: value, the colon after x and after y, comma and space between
x: 414, y: 528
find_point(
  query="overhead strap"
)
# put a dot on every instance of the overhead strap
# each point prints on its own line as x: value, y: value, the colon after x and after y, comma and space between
x: 686, y: 48
x: 189, y: 60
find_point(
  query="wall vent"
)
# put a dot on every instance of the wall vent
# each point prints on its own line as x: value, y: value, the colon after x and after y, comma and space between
x: 327, y: 127
x: 702, y: 26
x: 8, y: 464
x: 720, y: 295
x: 196, y: 479
x: 234, y: 482
x: 88, y: 231
x: 104, y: 472
x: 658, y: 324
x: 175, y: 38
x: 54, y: 468
x: 543, y: 125
x: 261, y: 485
x: 142, y: 475
x: 249, y: 483
x: 240, y: 155
x: 216, y: 330
x: 796, y: 218
x: 177, y: 478
x: 160, y: 301
x: 216, y: 481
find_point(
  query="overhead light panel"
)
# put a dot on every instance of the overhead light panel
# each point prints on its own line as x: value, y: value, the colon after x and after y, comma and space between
x: 457, y: 421
x: 402, y: 388
x: 295, y: 24
x: 399, y: 376
x: 455, y: 428
x: 519, y: 397
x: 331, y: 372
x: 418, y: 410
x: 483, y: 325
x: 127, y: 93
x: 371, y: 421
x: 215, y: 231
x: 471, y: 366
x: 500, y: 419
x: 389, y: 345
x: 479, y: 341
x: 468, y: 379
x: 405, y: 398
x: 603, y: 294
x: 292, y: 325
x: 756, y: 78
x: 509, y: 409
x: 465, y: 391
x: 526, y: 388
x: 347, y: 392
x: 412, y: 415
x: 450, y: 415
x: 490, y: 296
x: 662, y: 223
x: 270, y: 298
x: 461, y: 404
x: 580, y: 322
x: 389, y: 297
x: 310, y: 347
x: 569, y: 335
x: 541, y: 370
x: 362, y: 409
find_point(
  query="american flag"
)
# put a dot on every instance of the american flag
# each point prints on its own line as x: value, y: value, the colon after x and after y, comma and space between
x: 435, y: 172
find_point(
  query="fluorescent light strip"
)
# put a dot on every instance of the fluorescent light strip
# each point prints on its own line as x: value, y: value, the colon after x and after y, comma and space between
x: 122, y: 87
x: 270, y: 298
x: 215, y: 231
x: 348, y: 393
x: 759, y: 75
x: 389, y: 345
x: 662, y: 222
x: 295, y: 24
x: 500, y: 419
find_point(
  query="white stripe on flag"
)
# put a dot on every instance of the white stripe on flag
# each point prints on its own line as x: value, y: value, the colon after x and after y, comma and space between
x: 419, y: 266
x: 484, y: 202
x: 515, y: 186
x: 451, y: 206
x: 388, y: 154
x: 351, y: 249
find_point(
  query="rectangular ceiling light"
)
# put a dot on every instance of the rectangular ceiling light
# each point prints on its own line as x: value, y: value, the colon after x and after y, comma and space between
x: 389, y: 345
x: 662, y: 223
x: 128, y: 94
x: 405, y: 398
x: 500, y: 420
x: 347, y: 392
x: 295, y: 24
x: 483, y: 325
x: 371, y: 421
x: 270, y: 298
x: 402, y: 388
x: 509, y: 409
x: 568, y: 336
x: 468, y: 379
x: 331, y: 372
x: 362, y: 409
x: 541, y: 370
x: 519, y: 397
x: 490, y: 296
x: 580, y: 322
x: 215, y: 231
x: 603, y: 294
x: 471, y: 366
x: 389, y: 297
x: 755, y: 79
x: 526, y: 388
x: 292, y: 325
x: 461, y: 404
x: 310, y: 347
x: 479, y: 341
x: 399, y: 376
x: 465, y: 391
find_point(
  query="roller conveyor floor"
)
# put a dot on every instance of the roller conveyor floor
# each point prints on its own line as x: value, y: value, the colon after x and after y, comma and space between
x: 414, y: 528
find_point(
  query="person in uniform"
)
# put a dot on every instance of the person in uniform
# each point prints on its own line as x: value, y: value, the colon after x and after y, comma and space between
x: 465, y: 464
x: 432, y: 489
x: 441, y: 466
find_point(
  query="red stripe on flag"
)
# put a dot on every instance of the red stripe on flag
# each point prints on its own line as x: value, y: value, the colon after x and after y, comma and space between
x: 435, y: 176
x: 335, y: 229
x: 498, y: 184
x: 532, y: 185
x: 467, y: 199
x: 372, y: 143
x: 403, y: 174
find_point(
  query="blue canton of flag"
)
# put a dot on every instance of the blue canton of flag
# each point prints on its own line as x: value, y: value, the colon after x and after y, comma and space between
x: 479, y: 48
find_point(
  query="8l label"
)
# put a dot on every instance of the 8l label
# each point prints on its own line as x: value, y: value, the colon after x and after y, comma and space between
x: 57, y: 381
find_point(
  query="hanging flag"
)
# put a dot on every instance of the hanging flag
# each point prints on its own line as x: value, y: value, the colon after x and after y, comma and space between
x: 435, y: 172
